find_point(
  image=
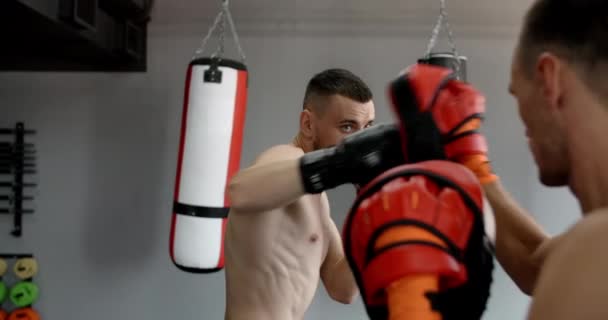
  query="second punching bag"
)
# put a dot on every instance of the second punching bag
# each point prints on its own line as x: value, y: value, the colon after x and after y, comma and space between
x: 209, y: 155
x: 448, y: 60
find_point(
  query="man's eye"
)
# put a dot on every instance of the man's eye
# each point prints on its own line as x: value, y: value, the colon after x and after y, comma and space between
x: 347, y: 128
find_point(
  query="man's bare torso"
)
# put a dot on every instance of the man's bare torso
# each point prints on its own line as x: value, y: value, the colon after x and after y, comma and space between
x: 273, y: 260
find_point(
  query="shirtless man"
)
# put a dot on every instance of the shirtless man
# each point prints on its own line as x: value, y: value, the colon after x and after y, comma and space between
x: 563, y: 101
x: 280, y: 238
x: 557, y: 81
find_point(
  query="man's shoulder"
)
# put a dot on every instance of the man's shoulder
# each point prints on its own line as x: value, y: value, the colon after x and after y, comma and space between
x: 592, y: 227
x: 283, y: 148
x: 582, y: 242
x: 584, y: 239
x: 280, y: 152
x: 575, y: 268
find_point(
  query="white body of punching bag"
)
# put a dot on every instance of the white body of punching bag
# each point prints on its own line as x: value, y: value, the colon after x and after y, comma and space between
x: 211, y: 136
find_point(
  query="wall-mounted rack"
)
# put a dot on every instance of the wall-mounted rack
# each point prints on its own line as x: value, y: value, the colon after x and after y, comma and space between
x: 17, y: 160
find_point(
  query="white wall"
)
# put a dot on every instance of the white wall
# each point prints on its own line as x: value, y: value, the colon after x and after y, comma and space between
x: 107, y: 152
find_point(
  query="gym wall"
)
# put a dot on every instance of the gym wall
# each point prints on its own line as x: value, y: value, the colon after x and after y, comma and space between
x: 107, y: 152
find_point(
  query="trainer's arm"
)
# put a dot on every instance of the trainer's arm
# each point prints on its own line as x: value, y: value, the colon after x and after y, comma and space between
x: 273, y: 181
x: 336, y: 274
x: 572, y: 284
x: 518, y: 238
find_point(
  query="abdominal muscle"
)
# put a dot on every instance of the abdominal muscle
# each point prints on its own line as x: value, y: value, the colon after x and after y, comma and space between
x: 272, y: 262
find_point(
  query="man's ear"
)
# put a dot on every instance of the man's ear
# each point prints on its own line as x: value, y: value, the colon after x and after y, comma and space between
x: 549, y: 71
x: 306, y: 123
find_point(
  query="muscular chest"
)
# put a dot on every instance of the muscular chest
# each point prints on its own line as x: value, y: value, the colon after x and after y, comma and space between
x: 306, y: 222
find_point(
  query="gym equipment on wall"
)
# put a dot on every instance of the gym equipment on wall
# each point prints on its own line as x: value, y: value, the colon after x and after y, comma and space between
x: 17, y: 159
x: 451, y: 59
x: 24, y: 314
x: 18, y: 291
x: 24, y: 293
x: 213, y: 119
x: 3, y: 288
x: 25, y: 268
x: 3, y: 291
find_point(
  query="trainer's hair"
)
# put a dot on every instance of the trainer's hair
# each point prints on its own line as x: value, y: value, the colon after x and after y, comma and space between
x: 335, y: 82
x: 574, y: 30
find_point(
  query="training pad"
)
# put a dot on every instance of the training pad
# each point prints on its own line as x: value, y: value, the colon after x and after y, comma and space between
x: 465, y: 302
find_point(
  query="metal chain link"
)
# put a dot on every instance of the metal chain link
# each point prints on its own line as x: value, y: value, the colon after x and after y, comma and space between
x: 447, y: 27
x: 442, y: 20
x: 234, y: 33
x: 434, y: 35
x: 222, y: 28
x: 201, y: 49
x: 220, y: 23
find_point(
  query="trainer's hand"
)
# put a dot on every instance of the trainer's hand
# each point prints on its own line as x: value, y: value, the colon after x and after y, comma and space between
x: 358, y: 159
x: 439, y: 119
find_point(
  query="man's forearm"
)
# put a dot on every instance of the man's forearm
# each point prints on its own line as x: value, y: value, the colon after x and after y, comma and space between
x: 266, y: 187
x: 343, y: 285
x: 518, y: 237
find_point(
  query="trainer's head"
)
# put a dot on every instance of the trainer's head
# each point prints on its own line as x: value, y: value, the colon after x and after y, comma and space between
x: 336, y: 103
x: 556, y: 78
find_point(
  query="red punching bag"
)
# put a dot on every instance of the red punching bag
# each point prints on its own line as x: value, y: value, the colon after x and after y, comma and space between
x: 209, y: 155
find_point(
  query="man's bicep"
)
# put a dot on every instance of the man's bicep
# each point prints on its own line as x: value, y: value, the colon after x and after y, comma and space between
x: 573, y: 283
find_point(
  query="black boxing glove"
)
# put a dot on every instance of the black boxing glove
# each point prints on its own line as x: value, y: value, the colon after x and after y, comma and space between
x: 358, y: 159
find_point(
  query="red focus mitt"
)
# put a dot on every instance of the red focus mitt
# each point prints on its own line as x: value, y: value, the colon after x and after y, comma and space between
x: 439, y: 117
x: 416, y: 220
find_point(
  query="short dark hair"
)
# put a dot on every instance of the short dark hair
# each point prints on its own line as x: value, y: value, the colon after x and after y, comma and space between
x: 575, y: 30
x: 337, y: 81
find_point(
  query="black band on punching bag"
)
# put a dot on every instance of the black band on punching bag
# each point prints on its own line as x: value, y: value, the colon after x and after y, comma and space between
x: 201, y: 212
x: 205, y: 61
x: 448, y: 60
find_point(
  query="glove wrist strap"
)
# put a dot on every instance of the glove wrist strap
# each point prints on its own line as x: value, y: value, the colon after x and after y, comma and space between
x: 318, y: 171
x: 480, y: 165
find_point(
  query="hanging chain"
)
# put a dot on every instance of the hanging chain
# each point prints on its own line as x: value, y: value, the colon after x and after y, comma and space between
x: 441, y: 21
x: 208, y: 36
x: 451, y: 41
x: 234, y: 33
x: 434, y: 35
x: 221, y: 29
x: 220, y: 24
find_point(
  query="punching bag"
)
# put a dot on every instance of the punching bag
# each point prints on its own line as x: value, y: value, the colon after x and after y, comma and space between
x: 451, y: 60
x: 211, y: 136
x: 448, y: 60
